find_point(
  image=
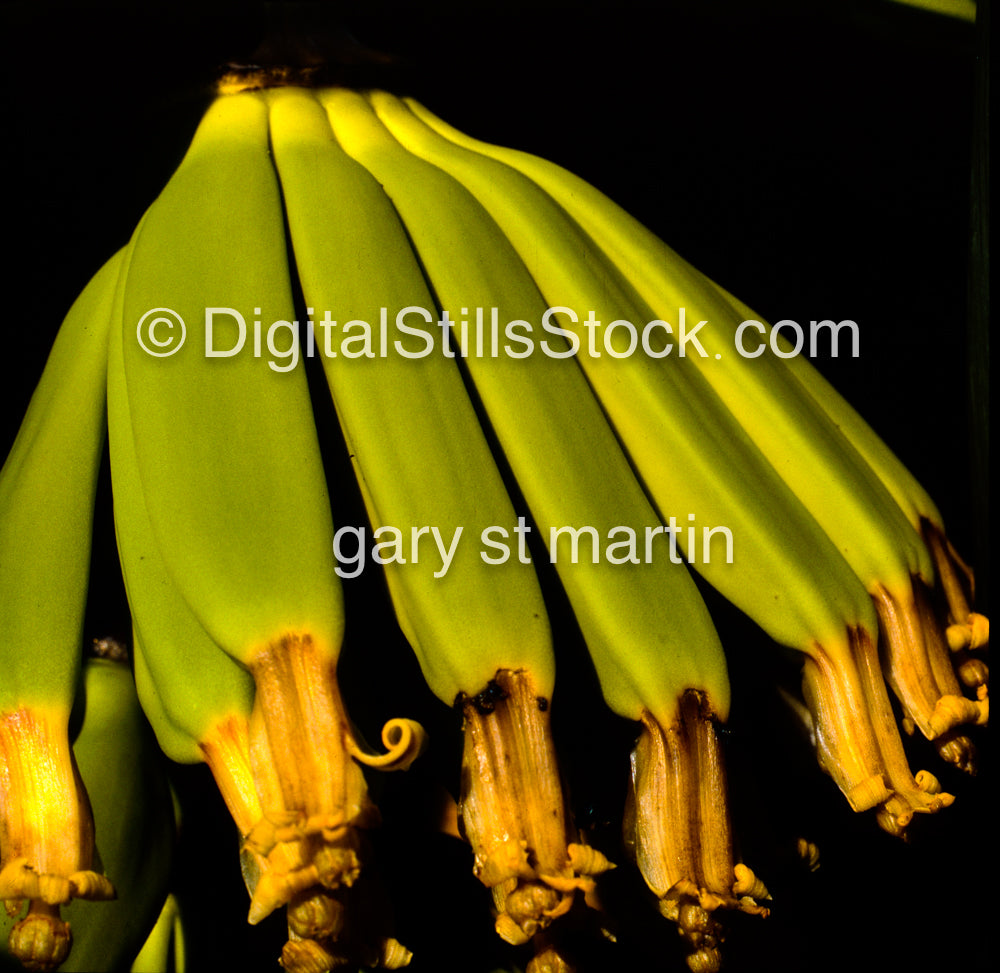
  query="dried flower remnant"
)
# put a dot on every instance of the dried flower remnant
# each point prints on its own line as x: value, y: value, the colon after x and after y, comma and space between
x: 47, y: 855
x: 513, y: 812
x: 678, y: 831
x: 926, y: 673
x: 308, y: 846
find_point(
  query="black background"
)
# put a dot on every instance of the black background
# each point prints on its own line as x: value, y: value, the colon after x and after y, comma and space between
x: 813, y: 158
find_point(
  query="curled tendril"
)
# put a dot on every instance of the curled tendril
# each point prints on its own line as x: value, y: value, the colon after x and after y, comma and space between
x: 404, y: 741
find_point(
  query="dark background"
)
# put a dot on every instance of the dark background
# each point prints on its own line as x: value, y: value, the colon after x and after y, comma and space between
x: 813, y: 158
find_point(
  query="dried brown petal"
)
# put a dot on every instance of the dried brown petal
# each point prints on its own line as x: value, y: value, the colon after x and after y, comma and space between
x: 310, y: 956
x: 393, y: 955
x: 313, y: 798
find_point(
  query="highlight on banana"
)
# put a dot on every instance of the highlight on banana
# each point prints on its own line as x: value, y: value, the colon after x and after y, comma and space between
x: 548, y: 416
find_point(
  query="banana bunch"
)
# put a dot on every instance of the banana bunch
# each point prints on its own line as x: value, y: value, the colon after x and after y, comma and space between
x: 473, y: 310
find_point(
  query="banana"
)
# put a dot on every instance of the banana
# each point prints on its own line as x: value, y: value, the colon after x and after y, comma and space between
x: 421, y: 457
x: 524, y: 847
x: 197, y: 699
x: 926, y: 670
x: 647, y: 629
x: 694, y: 457
x: 783, y: 423
x: 967, y: 630
x: 230, y: 472
x: 47, y: 491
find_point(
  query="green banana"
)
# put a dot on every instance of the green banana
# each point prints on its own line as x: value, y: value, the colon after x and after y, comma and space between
x: 420, y: 454
x: 135, y: 825
x: 47, y: 491
x: 197, y: 699
x: 229, y: 468
x: 532, y: 198
x: 423, y: 462
x: 646, y: 626
x: 926, y: 670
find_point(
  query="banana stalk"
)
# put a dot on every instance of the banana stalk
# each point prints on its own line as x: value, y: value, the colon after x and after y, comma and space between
x: 47, y: 490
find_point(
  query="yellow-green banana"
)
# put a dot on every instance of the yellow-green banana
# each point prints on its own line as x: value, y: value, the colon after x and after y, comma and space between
x: 648, y: 287
x: 928, y: 664
x: 47, y: 491
x: 232, y: 477
x: 197, y: 699
x: 135, y: 827
x: 421, y: 457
